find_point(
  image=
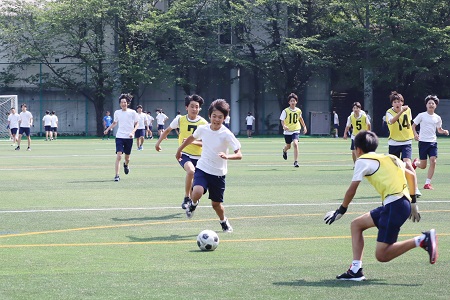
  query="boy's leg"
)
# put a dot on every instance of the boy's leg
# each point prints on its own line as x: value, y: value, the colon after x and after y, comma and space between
x: 357, y: 227
x: 117, y: 164
x: 219, y: 209
x: 29, y: 140
x: 190, y: 170
x: 295, y: 149
x: 432, y: 167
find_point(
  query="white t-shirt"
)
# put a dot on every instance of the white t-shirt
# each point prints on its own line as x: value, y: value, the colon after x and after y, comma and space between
x: 150, y: 120
x: 125, y: 120
x: 227, y: 120
x: 54, y: 121
x: 250, y: 120
x: 214, y: 142
x: 13, y: 120
x: 335, y: 118
x: 47, y: 119
x: 142, y: 120
x: 25, y: 119
x: 428, y: 125
x: 161, y: 118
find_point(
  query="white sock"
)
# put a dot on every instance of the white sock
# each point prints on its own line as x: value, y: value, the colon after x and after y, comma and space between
x: 356, y: 265
x: 419, y: 239
x: 428, y: 181
x: 195, y: 203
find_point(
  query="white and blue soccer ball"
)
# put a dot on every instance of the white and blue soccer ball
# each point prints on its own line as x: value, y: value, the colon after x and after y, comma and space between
x: 207, y: 240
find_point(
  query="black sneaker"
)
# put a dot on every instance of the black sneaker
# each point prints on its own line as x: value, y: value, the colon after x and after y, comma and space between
x: 17, y: 148
x: 296, y: 164
x: 430, y: 245
x: 190, y: 208
x: 284, y: 155
x: 117, y: 178
x: 126, y: 169
x: 226, y: 227
x: 185, y: 202
x: 349, y: 275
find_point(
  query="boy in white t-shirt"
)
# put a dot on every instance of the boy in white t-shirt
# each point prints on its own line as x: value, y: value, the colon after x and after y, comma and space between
x: 25, y: 123
x: 429, y: 122
x: 13, y: 124
x: 128, y: 121
x: 47, y: 119
x: 161, y: 118
x: 212, y: 166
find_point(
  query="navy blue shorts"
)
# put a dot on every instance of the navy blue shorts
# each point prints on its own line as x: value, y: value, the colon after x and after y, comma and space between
x: 288, y: 138
x: 427, y: 149
x: 214, y: 184
x: 139, y: 133
x: 249, y: 127
x: 402, y: 151
x: 124, y: 145
x: 14, y: 130
x: 336, y: 126
x: 54, y: 129
x: 24, y: 131
x: 390, y: 218
x: 160, y: 127
x: 352, y: 145
x: 48, y: 128
x: 185, y: 158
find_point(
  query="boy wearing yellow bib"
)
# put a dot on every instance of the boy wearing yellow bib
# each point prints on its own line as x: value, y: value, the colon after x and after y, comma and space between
x: 396, y: 185
x: 292, y: 121
x: 187, y: 124
x: 357, y: 121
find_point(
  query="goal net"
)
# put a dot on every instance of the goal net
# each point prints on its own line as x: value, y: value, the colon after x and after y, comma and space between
x: 6, y: 103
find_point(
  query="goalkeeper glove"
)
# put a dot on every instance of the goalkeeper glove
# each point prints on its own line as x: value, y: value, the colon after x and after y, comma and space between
x: 415, y: 215
x: 332, y: 216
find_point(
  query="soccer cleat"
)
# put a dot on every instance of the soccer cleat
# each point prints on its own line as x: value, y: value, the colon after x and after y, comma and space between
x: 117, y: 178
x: 349, y: 275
x: 185, y: 202
x: 17, y: 148
x: 226, y: 227
x: 190, y: 208
x: 414, y: 163
x: 284, y: 155
x: 296, y: 164
x: 28, y: 149
x: 429, y: 244
x: 126, y: 169
x: 428, y: 186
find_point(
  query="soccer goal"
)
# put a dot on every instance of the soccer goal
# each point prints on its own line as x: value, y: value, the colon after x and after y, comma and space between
x: 6, y: 103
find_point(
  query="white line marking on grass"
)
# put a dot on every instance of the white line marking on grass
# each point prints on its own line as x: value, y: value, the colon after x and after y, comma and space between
x: 178, y: 208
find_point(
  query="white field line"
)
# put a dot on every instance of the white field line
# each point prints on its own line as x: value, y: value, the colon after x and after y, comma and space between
x: 178, y: 208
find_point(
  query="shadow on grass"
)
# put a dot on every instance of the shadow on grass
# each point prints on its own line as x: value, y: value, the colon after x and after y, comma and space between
x: 170, y: 238
x: 339, y: 283
x: 156, y: 218
x: 91, y: 181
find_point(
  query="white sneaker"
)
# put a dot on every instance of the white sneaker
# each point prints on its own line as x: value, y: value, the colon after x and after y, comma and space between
x: 418, y: 193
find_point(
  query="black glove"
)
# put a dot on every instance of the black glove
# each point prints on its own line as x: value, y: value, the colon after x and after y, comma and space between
x: 332, y: 216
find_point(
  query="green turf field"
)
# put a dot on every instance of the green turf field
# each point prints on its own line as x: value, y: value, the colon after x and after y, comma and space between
x: 68, y: 231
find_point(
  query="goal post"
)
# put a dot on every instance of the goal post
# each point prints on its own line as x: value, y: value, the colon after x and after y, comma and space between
x: 6, y: 103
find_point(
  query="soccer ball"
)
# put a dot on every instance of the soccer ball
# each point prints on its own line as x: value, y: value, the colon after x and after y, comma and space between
x: 207, y: 240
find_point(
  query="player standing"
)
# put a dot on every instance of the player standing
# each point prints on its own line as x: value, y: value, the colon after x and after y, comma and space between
x: 13, y: 124
x: 25, y: 123
x: 47, y: 119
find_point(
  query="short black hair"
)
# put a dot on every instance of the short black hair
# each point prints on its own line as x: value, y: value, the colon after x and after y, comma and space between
x: 432, y: 97
x: 220, y: 105
x: 292, y: 95
x: 367, y: 141
x: 127, y: 97
x: 195, y: 98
